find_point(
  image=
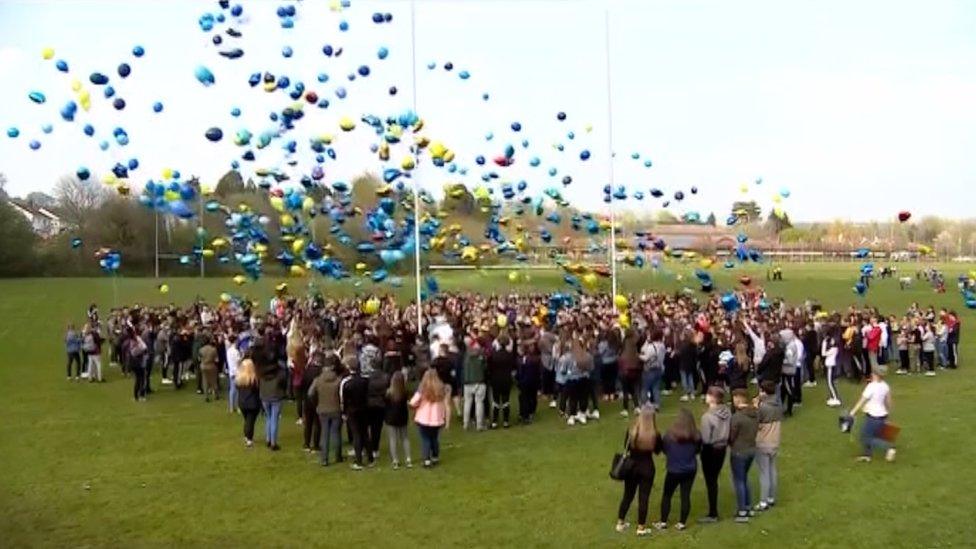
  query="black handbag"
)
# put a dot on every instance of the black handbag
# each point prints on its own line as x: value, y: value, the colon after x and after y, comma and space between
x: 622, y: 465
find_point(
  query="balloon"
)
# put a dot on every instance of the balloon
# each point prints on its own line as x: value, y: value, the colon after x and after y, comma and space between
x: 382, y: 53
x: 620, y: 301
x: 83, y: 173
x: 124, y: 70
x: 239, y: 279
x: 76, y: 242
x: 730, y: 302
x: 47, y: 53
x: 904, y: 216
x: 624, y: 320
x: 860, y: 288
x: 157, y: 107
x: 560, y: 116
x: 12, y: 132
x: 516, y: 126
x: 214, y: 134
x: 61, y: 65
x: 34, y: 144
x: 584, y: 154
x: 501, y: 320
x: 138, y: 51
x: 119, y: 103
x: 204, y: 76
x: 164, y: 288
x: 347, y: 124
x: 371, y: 306
x: 37, y: 97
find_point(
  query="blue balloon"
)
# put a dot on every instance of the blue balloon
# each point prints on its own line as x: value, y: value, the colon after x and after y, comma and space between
x: 157, y: 107
x: 340, y: 92
x: 286, y: 51
x: 584, y: 154
x: 343, y: 25
x: 103, y: 145
x: 83, y: 173
x: 37, y: 97
x: 464, y: 75
x: 363, y: 70
x: 119, y: 103
x: 124, y: 70
x: 516, y: 126
x: 109, y: 92
x: 382, y: 53
x: 214, y: 134
x: 89, y: 130
x: 138, y: 51
x: 34, y: 144
x: 204, y: 76
x: 13, y: 132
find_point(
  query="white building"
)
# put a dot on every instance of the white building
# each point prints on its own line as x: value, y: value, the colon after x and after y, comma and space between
x: 44, y: 222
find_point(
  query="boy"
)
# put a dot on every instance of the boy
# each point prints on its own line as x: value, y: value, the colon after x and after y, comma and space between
x: 770, y: 416
x: 742, y: 442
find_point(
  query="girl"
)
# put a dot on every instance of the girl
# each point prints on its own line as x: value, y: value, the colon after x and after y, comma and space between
x: 928, y: 348
x: 715, y: 438
x: 876, y: 403
x: 248, y: 398
x: 642, y: 442
x: 396, y: 418
x: 829, y: 350
x: 742, y: 443
x: 430, y: 415
x: 681, y: 444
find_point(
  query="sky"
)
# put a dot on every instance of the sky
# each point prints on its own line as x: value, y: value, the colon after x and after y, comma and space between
x: 858, y: 109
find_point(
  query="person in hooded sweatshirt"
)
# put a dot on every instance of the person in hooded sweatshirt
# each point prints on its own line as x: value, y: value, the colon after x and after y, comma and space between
x: 681, y: 443
x: 787, y: 340
x: 501, y: 364
x: 770, y: 417
x: 324, y: 391
x: 715, y: 424
x: 742, y: 446
x: 528, y: 375
x: 771, y: 367
x: 379, y: 382
x: 396, y: 417
x: 311, y: 426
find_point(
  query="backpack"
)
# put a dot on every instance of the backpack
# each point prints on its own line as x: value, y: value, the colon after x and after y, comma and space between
x: 89, y: 344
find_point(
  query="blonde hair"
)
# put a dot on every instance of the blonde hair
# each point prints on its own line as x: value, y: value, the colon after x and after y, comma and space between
x: 431, y: 387
x: 245, y: 374
x: 643, y: 431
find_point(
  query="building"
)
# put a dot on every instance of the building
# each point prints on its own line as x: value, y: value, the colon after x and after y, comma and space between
x: 44, y: 222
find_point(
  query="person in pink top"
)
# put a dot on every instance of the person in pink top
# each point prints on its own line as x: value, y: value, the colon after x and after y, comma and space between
x: 872, y: 341
x: 430, y: 415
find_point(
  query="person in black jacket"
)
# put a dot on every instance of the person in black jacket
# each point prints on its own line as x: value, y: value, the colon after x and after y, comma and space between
x: 397, y: 417
x: 312, y: 427
x: 273, y: 387
x: 688, y: 364
x: 248, y: 398
x: 354, y: 399
x: 528, y: 376
x: 375, y: 409
x: 501, y: 365
x: 771, y: 367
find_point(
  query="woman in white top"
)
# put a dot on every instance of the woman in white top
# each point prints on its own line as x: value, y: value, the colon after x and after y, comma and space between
x: 829, y: 350
x: 876, y: 403
x: 233, y: 362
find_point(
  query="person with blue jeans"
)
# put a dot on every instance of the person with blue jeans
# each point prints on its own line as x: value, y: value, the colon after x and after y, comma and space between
x: 688, y: 364
x: 743, y: 429
x: 876, y: 402
x: 324, y: 391
x: 272, y: 387
x: 652, y: 357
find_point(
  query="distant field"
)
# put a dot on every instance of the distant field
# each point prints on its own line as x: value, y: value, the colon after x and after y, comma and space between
x: 85, y: 466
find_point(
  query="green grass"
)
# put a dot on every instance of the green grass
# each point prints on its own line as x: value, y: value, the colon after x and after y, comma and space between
x: 83, y: 465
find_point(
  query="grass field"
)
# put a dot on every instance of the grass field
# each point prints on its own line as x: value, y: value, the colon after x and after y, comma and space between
x: 82, y: 465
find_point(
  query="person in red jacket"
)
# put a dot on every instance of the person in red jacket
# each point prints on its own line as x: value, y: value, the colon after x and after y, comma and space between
x: 872, y: 342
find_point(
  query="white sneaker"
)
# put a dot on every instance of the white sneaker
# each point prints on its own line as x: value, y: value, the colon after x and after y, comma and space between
x: 552, y: 403
x: 666, y: 392
x: 571, y: 421
x: 167, y: 381
x: 833, y: 402
x: 684, y: 398
x: 298, y: 421
x: 809, y: 384
x: 581, y: 418
x: 622, y: 526
x: 624, y: 413
x: 890, y: 455
x: 595, y: 414
x: 930, y: 374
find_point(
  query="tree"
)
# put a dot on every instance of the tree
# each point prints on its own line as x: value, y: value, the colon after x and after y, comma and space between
x: 230, y: 183
x: 77, y: 199
x: 3, y: 185
x: 747, y: 210
x: 711, y: 219
x: 16, y: 242
x: 778, y: 224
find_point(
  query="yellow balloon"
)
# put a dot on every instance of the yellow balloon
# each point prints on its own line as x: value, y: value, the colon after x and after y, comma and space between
x: 744, y: 188
x: 207, y: 252
x: 589, y: 280
x: 706, y: 262
x: 437, y: 150
x: 110, y: 179
x: 308, y: 204
x: 469, y: 253
x: 239, y: 280
x: 171, y: 196
x: 384, y: 151
x: 360, y: 266
x: 512, y: 276
x: 408, y: 163
x: 296, y: 270
x: 277, y: 203
x: 287, y: 220
x: 75, y: 84
x: 260, y: 248
x: 624, y: 320
x: 347, y: 124
x: 620, y: 301
x: 219, y: 242
x: 501, y: 320
x: 449, y: 156
x: 225, y: 297
x: 167, y: 173
x: 297, y: 246
x: 47, y: 53
x: 164, y: 288
x: 371, y: 306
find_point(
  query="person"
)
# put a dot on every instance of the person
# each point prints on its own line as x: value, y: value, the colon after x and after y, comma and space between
x: 430, y: 415
x: 501, y: 365
x: 473, y: 374
x: 324, y: 391
x: 248, y: 398
x: 272, y: 388
x: 652, y: 356
x: 133, y: 352
x: 928, y: 348
x: 829, y: 350
x: 791, y: 356
x: 528, y: 375
x: 208, y: 368
x: 232, y: 362
x: 742, y: 444
x: 396, y: 417
x: 688, y: 363
x: 92, y: 347
x: 72, y: 346
x: 642, y: 442
x: 681, y: 445
x: 715, y: 437
x: 311, y: 424
x: 876, y: 402
x: 770, y: 417
x: 354, y: 399
x: 378, y: 383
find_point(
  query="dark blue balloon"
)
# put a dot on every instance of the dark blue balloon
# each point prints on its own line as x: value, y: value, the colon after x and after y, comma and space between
x: 157, y: 107
x: 89, y: 130
x: 363, y: 70
x: 516, y: 127
x: 119, y: 103
x: 98, y: 78
x: 124, y: 70
x: 214, y: 134
x: 61, y: 65
x: 138, y: 51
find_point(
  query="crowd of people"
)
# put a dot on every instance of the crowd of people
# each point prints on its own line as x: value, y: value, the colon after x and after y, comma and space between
x: 349, y: 364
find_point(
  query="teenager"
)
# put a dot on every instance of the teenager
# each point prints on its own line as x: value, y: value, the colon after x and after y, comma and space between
x: 72, y: 348
x: 324, y: 391
x: 248, y: 398
x: 501, y: 365
x: 829, y: 350
x: 354, y: 399
x: 396, y: 418
x: 473, y: 375
x: 652, y: 357
x: 742, y: 444
x: 770, y: 417
x: 311, y: 424
x: 642, y: 441
x: 681, y: 445
x: 208, y: 368
x: 430, y: 415
x: 378, y: 383
x: 92, y: 348
x: 528, y: 378
x: 876, y: 402
x: 715, y: 424
x: 273, y: 385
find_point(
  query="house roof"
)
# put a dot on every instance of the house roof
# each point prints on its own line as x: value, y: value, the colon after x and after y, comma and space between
x: 33, y: 210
